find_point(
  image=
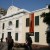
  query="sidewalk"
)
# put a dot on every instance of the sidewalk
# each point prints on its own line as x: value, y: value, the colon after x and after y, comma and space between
x: 4, y: 47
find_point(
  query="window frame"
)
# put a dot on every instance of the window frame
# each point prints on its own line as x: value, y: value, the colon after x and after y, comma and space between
x: 16, y: 36
x: 27, y: 22
x: 3, y: 26
x: 36, y: 20
x: 36, y: 39
x: 17, y: 23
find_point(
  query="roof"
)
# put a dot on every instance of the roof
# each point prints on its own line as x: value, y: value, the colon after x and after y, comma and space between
x: 13, y: 10
x: 40, y: 9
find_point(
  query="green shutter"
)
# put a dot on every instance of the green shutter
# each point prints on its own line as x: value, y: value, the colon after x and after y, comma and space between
x: 36, y: 20
x: 16, y: 36
x: 36, y: 36
x: 27, y: 33
x: 3, y: 25
x: 27, y: 22
x: 17, y: 23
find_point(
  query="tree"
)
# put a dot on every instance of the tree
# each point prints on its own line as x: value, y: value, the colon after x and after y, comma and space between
x: 46, y: 19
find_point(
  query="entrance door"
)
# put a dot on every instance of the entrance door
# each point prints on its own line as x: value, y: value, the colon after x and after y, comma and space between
x: 9, y: 34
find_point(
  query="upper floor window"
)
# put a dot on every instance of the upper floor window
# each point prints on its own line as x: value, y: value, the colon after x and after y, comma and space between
x: 36, y: 20
x: 17, y: 23
x: 3, y: 26
x: 10, y: 23
x: 27, y: 22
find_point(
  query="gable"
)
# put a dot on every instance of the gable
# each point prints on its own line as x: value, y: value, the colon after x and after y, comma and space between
x: 12, y: 10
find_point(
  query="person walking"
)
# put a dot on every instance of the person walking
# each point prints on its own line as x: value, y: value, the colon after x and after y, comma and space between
x: 29, y: 42
x: 10, y: 43
x: 1, y: 44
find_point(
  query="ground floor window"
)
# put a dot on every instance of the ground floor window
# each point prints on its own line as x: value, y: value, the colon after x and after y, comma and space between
x: 36, y: 36
x: 16, y: 36
x: 2, y: 35
x: 27, y: 33
x: 48, y: 37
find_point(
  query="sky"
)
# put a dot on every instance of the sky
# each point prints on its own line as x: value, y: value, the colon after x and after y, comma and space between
x: 30, y: 5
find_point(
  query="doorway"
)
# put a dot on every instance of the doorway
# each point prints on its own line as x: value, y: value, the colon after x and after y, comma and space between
x: 9, y: 34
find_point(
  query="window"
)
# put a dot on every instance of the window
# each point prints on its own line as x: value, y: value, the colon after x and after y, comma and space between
x: 27, y: 22
x: 2, y: 35
x: 16, y: 36
x: 48, y: 37
x: 10, y: 23
x: 17, y: 23
x: 3, y: 25
x: 27, y: 34
x: 36, y: 20
x: 36, y: 36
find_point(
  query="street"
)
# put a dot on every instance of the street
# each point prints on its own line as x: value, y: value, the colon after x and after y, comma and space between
x: 3, y: 46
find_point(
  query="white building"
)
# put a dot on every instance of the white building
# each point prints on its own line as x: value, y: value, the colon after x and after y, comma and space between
x: 2, y: 13
x: 16, y: 24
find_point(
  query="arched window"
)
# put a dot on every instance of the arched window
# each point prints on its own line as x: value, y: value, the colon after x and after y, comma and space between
x: 10, y: 23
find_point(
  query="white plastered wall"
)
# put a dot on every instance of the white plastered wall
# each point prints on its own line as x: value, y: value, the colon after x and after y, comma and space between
x: 41, y: 28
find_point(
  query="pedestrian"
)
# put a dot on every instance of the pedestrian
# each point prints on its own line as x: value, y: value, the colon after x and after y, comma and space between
x: 5, y: 47
x: 10, y: 43
x: 6, y: 40
x: 1, y: 44
x: 28, y: 42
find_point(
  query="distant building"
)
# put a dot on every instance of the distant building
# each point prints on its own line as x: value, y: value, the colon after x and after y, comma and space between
x: 20, y: 22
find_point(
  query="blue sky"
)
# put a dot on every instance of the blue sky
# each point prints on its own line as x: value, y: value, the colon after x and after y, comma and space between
x: 29, y: 5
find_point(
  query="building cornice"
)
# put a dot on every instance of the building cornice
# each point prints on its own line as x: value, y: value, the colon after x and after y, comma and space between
x: 39, y: 10
x: 12, y: 15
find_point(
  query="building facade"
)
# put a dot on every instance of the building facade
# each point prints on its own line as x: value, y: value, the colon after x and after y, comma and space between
x: 20, y: 22
x: 2, y: 13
